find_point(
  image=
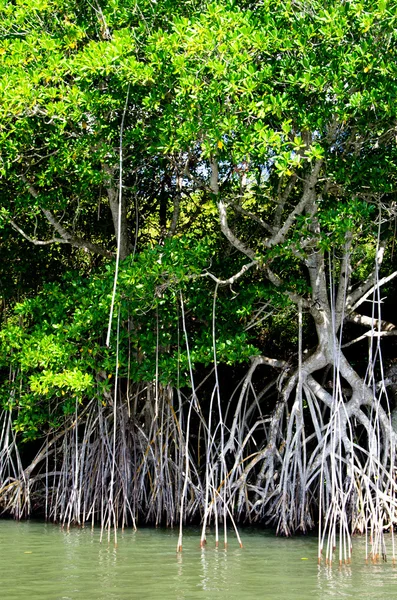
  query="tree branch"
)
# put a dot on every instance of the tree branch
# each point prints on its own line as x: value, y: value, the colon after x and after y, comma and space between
x: 255, y: 218
x: 296, y: 298
x: 73, y: 240
x: 369, y: 291
x: 66, y: 236
x: 359, y: 295
x: 354, y: 317
x: 234, y: 277
x: 282, y: 200
x: 319, y: 391
x: 227, y: 232
x: 307, y: 196
x: 200, y: 184
x: 32, y: 240
x: 269, y: 362
x: 371, y: 333
x: 343, y: 280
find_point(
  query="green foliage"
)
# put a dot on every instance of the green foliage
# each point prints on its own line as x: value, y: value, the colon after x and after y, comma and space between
x: 264, y: 88
x: 240, y: 83
x: 54, y: 342
x: 267, y: 89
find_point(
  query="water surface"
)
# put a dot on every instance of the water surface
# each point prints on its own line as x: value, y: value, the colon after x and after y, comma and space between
x: 43, y: 561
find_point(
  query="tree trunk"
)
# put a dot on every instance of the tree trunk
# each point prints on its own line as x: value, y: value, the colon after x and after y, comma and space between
x: 119, y: 216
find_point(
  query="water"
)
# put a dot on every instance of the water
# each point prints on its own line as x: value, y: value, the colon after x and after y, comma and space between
x: 42, y: 561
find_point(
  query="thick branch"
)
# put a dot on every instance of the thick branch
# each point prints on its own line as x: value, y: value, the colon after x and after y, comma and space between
x: 308, y: 193
x: 234, y: 277
x: 66, y: 236
x: 343, y: 280
x: 72, y: 239
x: 359, y: 295
x: 319, y: 391
x: 200, y: 184
x: 227, y: 232
x: 293, y: 296
x: 379, y: 324
x: 255, y: 218
x: 371, y: 333
x: 270, y: 362
x: 113, y: 194
x: 313, y: 363
x: 367, y: 289
x: 34, y: 241
x: 282, y: 200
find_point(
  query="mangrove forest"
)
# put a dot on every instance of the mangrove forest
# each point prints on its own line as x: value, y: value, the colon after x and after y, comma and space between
x: 198, y: 216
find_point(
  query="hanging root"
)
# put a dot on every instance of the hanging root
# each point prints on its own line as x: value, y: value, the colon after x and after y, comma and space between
x: 71, y: 477
x: 319, y: 456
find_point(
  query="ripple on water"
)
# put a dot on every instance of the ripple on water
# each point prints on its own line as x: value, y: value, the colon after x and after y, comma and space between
x: 41, y: 561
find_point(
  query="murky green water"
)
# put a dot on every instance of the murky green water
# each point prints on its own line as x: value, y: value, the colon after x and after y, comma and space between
x: 39, y: 561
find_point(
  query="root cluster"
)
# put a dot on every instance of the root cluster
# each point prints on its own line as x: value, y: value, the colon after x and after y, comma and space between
x: 318, y: 456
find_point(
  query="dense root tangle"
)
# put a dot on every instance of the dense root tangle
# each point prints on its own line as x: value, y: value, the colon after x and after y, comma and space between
x: 313, y: 444
x: 330, y: 457
x: 14, y: 486
x: 80, y: 475
x: 327, y: 455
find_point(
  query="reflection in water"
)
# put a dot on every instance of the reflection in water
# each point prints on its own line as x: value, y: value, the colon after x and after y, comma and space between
x: 40, y: 561
x: 215, y: 577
